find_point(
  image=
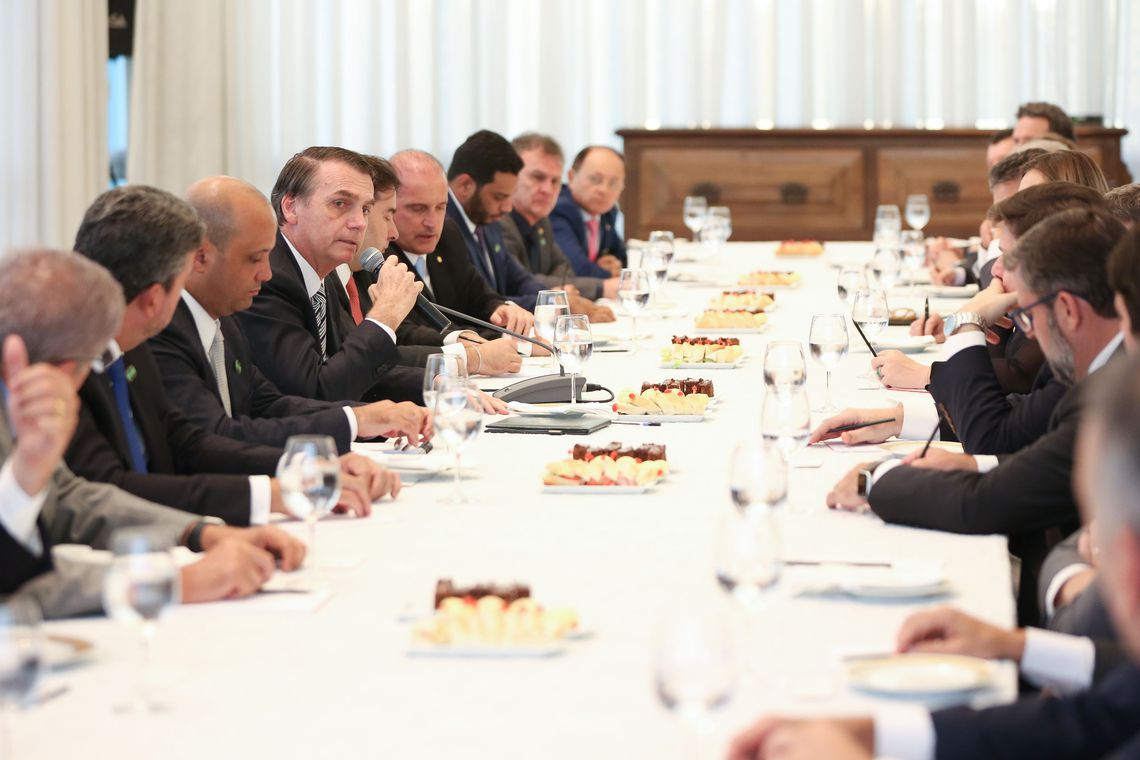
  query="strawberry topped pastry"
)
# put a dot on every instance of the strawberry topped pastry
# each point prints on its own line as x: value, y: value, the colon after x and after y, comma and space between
x: 751, y: 300
x: 770, y: 279
x: 686, y: 350
x: 800, y: 248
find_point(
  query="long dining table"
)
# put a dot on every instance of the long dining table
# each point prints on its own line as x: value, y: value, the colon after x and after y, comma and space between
x: 327, y: 674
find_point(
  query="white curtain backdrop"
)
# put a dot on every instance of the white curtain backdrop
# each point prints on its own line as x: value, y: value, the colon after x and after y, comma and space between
x: 239, y: 86
x: 53, y: 125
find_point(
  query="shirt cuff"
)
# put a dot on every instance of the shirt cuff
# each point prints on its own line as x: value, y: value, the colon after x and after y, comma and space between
x: 382, y: 326
x: 960, y: 341
x: 260, y: 499
x: 904, y: 732
x: 1058, y: 661
x: 882, y: 470
x: 453, y: 337
x: 523, y: 347
x: 986, y: 462
x: 19, y: 511
x: 455, y: 349
x: 919, y: 417
x: 1058, y: 581
x: 352, y: 427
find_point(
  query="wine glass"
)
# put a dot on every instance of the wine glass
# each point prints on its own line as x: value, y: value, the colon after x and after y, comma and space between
x: 886, y: 267
x: 142, y: 582
x: 888, y: 225
x: 21, y: 661
x: 441, y: 366
x: 551, y: 305
x: 695, y: 667
x: 654, y: 262
x: 785, y: 420
x: 828, y: 341
x: 914, y: 254
x: 574, y: 344
x: 851, y: 280
x: 309, y: 476
x: 695, y: 208
x: 747, y: 556
x: 757, y: 476
x: 633, y: 292
x: 917, y: 211
x: 784, y: 365
x: 457, y: 420
x: 666, y: 244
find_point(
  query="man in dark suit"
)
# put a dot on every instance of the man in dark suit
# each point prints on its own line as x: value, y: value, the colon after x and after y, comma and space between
x: 482, y: 177
x: 1065, y: 302
x: 129, y: 433
x: 206, y: 362
x: 47, y: 345
x: 585, y: 216
x: 1101, y: 723
x: 306, y: 347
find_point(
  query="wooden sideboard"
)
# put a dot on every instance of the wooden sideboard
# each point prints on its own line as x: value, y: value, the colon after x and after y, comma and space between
x: 823, y: 184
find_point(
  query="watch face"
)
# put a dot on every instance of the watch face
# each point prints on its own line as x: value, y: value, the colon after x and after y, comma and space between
x: 950, y: 324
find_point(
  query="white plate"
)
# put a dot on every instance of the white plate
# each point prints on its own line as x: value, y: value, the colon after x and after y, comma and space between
x: 433, y: 462
x: 895, y: 592
x: 651, y: 419
x: 910, y: 344
x: 61, y: 652
x: 480, y: 652
x: 953, y: 291
x: 732, y: 330
x: 596, y: 490
x: 702, y: 365
x: 906, y: 447
x: 919, y: 675
x: 561, y: 410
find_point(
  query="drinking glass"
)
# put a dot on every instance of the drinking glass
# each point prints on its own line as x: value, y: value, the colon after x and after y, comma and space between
x: 757, y: 476
x: 885, y: 266
x: 721, y: 219
x: 914, y: 254
x: 747, y: 557
x: 457, y: 419
x: 666, y: 244
x: 551, y: 305
x: 574, y: 345
x: 784, y: 365
x: 888, y: 225
x: 633, y: 292
x: 654, y: 262
x: 21, y: 661
x: 851, y: 280
x: 917, y: 211
x: 142, y: 582
x: 870, y: 311
x: 785, y: 420
x: 695, y: 208
x: 828, y: 341
x: 309, y: 476
x: 695, y: 667
x: 442, y: 366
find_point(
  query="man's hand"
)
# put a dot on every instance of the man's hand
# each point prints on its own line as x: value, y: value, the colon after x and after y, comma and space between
x: 43, y: 409
x: 288, y: 552
x: 392, y: 420
x: 492, y: 405
x: 845, y: 494
x: 944, y: 630
x: 1073, y: 587
x: 596, y: 313
x: 992, y: 304
x: 393, y: 294
x: 493, y: 357
x: 610, y: 263
x: 943, y: 275
x: 933, y: 326
x: 232, y: 568
x: 512, y: 317
x: 610, y: 288
x: 367, y: 481
x: 874, y: 434
x: 940, y: 459
x: 1086, y: 547
x: 775, y: 736
x: 897, y: 370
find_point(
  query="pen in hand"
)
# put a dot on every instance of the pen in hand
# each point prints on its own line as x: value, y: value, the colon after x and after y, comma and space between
x: 860, y: 425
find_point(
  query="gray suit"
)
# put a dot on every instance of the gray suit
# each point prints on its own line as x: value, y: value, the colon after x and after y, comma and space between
x: 544, y: 259
x: 76, y: 511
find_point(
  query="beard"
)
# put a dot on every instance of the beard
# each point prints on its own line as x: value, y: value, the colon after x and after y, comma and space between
x: 1062, y: 362
x: 478, y: 212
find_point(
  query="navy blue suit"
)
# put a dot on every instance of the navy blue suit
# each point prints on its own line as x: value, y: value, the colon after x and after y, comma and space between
x: 570, y: 235
x: 509, y: 278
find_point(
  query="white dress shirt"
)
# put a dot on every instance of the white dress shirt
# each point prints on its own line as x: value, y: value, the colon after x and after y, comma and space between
x: 20, y: 510
x: 451, y: 343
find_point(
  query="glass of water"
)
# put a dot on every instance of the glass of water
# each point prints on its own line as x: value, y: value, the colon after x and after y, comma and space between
x: 747, y: 557
x: 828, y: 342
x: 757, y: 476
x: 142, y: 582
x: 914, y: 254
x: 574, y: 345
x: 21, y: 661
x: 309, y: 476
x: 695, y: 208
x: 888, y: 225
x: 654, y: 261
x: 886, y: 266
x: 851, y: 281
x: 785, y: 420
x: 633, y: 291
x: 917, y: 211
x: 551, y: 305
x: 443, y: 366
x: 784, y: 366
x: 457, y: 419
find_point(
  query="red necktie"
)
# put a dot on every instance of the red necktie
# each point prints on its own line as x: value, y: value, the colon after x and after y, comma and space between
x: 354, y: 300
x: 592, y: 235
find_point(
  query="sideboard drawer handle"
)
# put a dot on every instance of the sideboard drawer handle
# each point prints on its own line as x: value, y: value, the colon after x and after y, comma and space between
x: 946, y: 191
x: 793, y: 193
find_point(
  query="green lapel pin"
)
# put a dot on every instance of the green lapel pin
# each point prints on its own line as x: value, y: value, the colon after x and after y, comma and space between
x: 237, y: 366
x: 131, y: 373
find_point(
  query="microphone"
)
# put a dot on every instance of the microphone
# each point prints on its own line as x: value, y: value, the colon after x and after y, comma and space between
x: 371, y: 260
x: 496, y: 328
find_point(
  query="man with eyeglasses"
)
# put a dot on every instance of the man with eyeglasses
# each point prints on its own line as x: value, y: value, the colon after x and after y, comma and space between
x: 586, y: 213
x: 1058, y: 272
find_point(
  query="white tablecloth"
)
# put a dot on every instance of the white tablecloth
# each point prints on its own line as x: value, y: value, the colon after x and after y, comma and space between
x: 275, y: 678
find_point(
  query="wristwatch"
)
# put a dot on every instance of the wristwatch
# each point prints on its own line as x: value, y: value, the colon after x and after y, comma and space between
x: 955, y: 321
x: 866, y: 476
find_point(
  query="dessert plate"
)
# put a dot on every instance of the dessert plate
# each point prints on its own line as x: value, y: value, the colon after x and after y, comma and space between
x: 654, y: 419
x: 597, y: 490
x: 906, y: 447
x: 732, y: 330
x: 702, y: 365
x: 919, y: 675
x: 909, y: 344
x: 485, y: 652
x: 911, y: 579
x: 563, y: 410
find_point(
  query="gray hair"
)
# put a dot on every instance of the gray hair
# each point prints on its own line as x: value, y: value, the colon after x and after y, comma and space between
x: 1115, y: 416
x: 1125, y: 202
x: 141, y: 234
x: 63, y: 306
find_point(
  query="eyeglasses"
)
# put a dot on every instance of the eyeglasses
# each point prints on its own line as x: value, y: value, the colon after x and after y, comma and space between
x: 1023, y: 317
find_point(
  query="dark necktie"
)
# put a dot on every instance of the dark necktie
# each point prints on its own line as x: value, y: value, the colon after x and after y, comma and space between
x: 117, y: 374
x: 481, y: 236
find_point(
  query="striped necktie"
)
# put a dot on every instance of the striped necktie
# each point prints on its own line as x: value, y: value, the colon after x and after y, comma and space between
x: 320, y: 311
x: 218, y: 364
x: 117, y: 374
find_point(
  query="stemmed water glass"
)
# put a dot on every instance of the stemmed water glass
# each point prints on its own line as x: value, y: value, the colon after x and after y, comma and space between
x: 551, y: 305
x: 309, y: 475
x: 888, y: 225
x: 851, y: 280
x: 441, y: 367
x: 21, y: 661
x: 654, y: 261
x: 717, y: 228
x: 747, y: 556
x: 828, y: 341
x: 695, y: 208
x: 914, y: 254
x: 757, y: 476
x: 666, y: 243
x: 885, y: 266
x: 870, y: 311
x: 785, y: 420
x: 140, y: 585
x: 917, y: 211
x: 457, y: 418
x: 574, y: 345
x: 784, y: 365
x: 633, y: 292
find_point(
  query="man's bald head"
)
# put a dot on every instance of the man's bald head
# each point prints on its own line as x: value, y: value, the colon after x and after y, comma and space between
x: 233, y: 260
x: 421, y: 204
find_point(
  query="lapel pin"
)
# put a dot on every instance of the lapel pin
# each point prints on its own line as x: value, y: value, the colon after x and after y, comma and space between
x: 439, y: 259
x: 131, y: 373
x: 237, y: 366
